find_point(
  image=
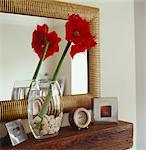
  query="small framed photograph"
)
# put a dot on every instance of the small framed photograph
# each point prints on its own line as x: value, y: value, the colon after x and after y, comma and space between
x: 105, y: 109
x: 16, y: 131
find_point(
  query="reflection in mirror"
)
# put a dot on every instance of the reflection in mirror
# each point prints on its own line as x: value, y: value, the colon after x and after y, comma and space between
x: 18, y: 61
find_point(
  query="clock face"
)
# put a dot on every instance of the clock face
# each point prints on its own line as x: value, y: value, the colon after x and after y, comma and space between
x: 82, y: 118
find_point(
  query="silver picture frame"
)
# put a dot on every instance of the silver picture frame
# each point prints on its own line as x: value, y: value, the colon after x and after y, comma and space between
x: 105, y: 109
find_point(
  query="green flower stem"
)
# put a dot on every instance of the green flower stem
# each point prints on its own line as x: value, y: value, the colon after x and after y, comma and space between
x: 48, y: 98
x: 40, y: 62
x: 38, y: 67
x: 45, y: 105
x: 43, y: 110
x: 61, y: 61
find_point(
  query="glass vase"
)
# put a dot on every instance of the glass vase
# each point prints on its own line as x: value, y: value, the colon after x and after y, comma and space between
x: 44, y: 125
x: 20, y: 89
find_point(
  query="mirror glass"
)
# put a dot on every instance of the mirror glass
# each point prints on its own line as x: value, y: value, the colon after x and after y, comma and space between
x: 18, y: 61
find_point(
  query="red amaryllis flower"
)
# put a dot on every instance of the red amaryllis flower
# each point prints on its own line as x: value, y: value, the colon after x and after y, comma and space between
x: 41, y: 37
x: 78, y: 32
x: 82, y: 46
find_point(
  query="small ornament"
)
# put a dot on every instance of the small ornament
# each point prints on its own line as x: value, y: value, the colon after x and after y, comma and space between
x: 80, y: 118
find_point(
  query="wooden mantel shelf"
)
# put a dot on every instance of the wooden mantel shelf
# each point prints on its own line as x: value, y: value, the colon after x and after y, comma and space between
x: 115, y: 136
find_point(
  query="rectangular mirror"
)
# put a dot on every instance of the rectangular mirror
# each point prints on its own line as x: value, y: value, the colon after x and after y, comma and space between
x: 55, y: 10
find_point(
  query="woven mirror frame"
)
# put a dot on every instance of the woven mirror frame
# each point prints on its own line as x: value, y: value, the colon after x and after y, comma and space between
x: 10, y: 109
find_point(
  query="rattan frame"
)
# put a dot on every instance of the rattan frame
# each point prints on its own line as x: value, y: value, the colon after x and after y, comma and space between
x: 60, y: 10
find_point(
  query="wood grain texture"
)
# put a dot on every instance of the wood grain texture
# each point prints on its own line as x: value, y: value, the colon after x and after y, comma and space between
x: 114, y: 136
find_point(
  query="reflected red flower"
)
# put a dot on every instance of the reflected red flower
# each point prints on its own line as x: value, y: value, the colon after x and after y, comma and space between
x: 78, y: 32
x: 41, y: 37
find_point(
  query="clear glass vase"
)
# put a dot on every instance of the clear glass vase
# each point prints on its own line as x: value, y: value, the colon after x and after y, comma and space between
x: 44, y: 125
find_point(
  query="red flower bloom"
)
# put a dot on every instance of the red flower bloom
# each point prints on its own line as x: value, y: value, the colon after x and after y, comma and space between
x: 41, y: 37
x: 82, y: 46
x: 78, y: 32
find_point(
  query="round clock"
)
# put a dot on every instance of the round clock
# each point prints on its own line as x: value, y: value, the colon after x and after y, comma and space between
x: 80, y: 118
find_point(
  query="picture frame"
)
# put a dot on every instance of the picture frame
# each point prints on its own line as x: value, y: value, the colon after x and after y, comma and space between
x: 105, y: 109
x: 16, y: 131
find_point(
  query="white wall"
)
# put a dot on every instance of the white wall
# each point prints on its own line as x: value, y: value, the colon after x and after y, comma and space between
x: 117, y: 53
x: 140, y: 48
x: 118, y: 57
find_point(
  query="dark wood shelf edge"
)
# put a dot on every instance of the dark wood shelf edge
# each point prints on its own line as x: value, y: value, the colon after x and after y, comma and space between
x: 111, y: 136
